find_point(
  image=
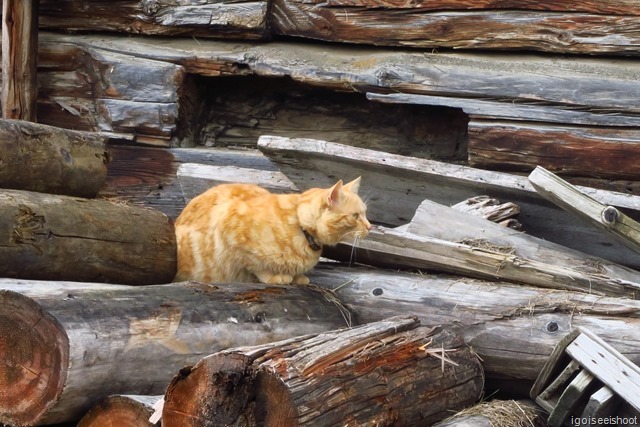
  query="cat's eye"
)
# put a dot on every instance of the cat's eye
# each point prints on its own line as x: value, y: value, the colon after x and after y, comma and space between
x: 356, y: 215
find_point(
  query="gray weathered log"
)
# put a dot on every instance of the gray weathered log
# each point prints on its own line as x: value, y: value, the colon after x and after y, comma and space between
x: 49, y: 237
x: 208, y: 18
x: 81, y: 342
x: 491, y: 209
x: 19, y: 59
x: 387, y: 178
x: 51, y: 160
x: 121, y: 410
x: 513, y: 328
x: 391, y: 372
x: 409, y: 24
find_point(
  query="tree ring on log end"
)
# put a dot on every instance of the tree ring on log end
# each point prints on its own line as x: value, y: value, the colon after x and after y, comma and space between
x: 273, y: 402
x: 35, y: 352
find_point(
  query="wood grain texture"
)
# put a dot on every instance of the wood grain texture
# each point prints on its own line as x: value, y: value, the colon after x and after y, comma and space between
x: 81, y: 342
x: 19, y: 59
x: 387, y: 178
x: 121, y: 410
x: 51, y: 160
x: 50, y: 237
x: 513, y: 328
x: 612, y: 153
x: 220, y: 19
x: 563, y: 32
x: 375, y: 367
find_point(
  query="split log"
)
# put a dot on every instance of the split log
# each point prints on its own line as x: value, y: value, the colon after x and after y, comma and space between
x: 570, y: 150
x: 121, y: 410
x: 490, y: 209
x: 50, y: 237
x: 391, y: 372
x: 387, y: 178
x: 573, y: 200
x: 209, y: 18
x: 442, y: 239
x: 409, y: 24
x: 513, y: 328
x: 19, y: 59
x: 81, y: 342
x: 50, y: 160
x: 490, y: 109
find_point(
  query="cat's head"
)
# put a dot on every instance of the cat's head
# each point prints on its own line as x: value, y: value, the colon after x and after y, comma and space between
x: 335, y: 213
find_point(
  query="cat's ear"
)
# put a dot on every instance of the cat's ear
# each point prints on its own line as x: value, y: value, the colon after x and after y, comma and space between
x: 353, y: 186
x: 333, y: 195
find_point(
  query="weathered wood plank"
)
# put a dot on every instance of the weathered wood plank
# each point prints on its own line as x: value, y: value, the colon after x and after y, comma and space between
x: 121, y: 410
x: 387, y: 178
x: 587, y: 151
x: 612, y: 85
x: 601, y: 404
x: 488, y: 109
x: 385, y: 247
x: 613, y: 7
x: 391, y: 372
x: 487, y: 208
x: 49, y: 237
x: 577, y: 389
x: 81, y: 342
x: 19, y: 59
x: 208, y: 18
x: 513, y: 328
x: 50, y: 160
x: 564, y: 32
x: 587, y: 208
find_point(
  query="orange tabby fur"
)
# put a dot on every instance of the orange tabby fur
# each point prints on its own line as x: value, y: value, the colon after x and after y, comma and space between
x: 243, y: 233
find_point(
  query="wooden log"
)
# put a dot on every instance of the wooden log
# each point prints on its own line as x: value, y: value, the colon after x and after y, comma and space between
x: 375, y: 367
x: 121, y: 410
x: 610, y: 86
x: 387, y: 178
x: 573, y: 200
x: 569, y: 150
x: 81, y: 342
x: 487, y: 208
x: 52, y: 237
x: 51, y: 160
x: 490, y: 109
x: 513, y: 328
x: 19, y: 59
x: 242, y: 20
x: 411, y: 25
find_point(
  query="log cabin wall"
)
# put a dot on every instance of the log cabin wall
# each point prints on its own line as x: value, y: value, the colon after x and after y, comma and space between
x: 550, y: 83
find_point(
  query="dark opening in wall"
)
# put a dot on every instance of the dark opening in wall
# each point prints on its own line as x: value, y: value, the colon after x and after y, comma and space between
x: 235, y: 111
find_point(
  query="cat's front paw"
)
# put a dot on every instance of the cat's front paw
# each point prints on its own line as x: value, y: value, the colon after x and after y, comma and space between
x: 275, y: 279
x: 301, y: 279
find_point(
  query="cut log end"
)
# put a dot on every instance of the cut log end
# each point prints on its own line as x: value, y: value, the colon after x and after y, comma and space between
x: 35, y: 349
x: 120, y: 410
x: 274, y: 404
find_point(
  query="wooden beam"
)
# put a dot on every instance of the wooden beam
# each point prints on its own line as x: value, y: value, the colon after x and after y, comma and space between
x: 409, y: 25
x: 513, y: 328
x: 19, y: 59
x: 570, y: 198
x: 602, y: 152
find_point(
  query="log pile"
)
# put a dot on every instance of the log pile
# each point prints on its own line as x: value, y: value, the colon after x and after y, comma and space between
x: 143, y: 103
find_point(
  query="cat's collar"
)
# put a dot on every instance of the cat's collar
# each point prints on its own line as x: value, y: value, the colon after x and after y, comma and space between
x: 313, y: 243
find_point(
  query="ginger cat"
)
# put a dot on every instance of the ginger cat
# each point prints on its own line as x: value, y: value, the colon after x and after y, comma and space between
x: 243, y: 233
